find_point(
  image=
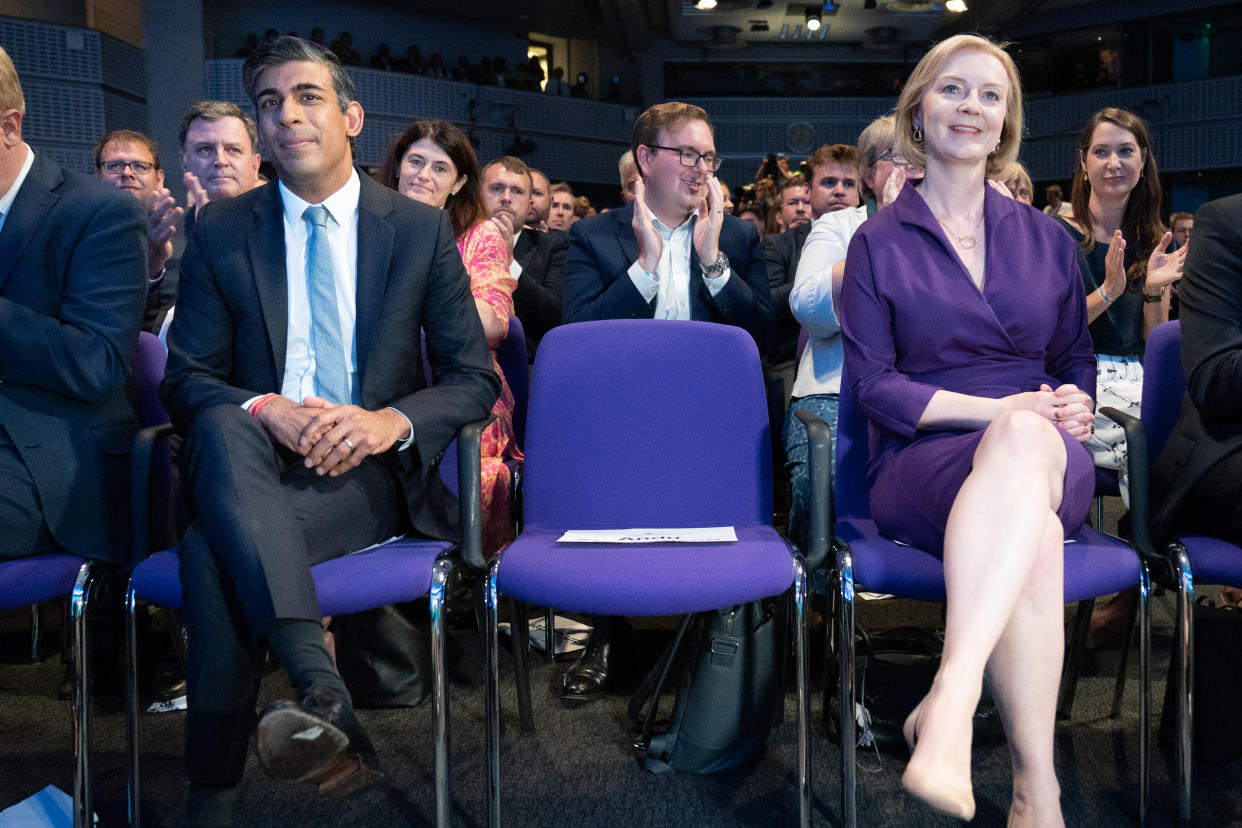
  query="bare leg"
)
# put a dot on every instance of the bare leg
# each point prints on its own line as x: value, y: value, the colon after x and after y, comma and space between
x: 1023, y: 674
x: 993, y: 542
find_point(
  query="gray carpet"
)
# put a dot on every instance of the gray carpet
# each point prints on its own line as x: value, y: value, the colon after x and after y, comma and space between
x: 577, y: 768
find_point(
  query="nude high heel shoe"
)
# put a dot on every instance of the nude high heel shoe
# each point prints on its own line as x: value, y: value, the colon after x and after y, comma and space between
x: 928, y: 787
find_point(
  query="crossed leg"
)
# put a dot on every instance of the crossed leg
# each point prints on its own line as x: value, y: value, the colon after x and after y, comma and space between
x: 1003, y: 575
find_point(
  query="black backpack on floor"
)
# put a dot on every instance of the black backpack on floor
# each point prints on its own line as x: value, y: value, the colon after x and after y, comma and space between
x: 728, y: 694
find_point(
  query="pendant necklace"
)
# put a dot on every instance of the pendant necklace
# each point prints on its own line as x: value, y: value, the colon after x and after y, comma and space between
x: 968, y: 241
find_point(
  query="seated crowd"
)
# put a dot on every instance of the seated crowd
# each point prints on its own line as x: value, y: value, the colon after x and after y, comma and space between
x: 977, y: 334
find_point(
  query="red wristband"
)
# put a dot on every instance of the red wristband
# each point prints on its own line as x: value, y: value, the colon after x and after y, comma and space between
x: 258, y: 404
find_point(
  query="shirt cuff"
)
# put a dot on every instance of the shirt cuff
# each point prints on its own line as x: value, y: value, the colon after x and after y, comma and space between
x: 246, y: 405
x: 717, y: 283
x: 408, y: 441
x: 647, y: 284
x: 515, y: 269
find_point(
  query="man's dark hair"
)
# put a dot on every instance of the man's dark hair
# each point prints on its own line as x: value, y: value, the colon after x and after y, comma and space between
x: 214, y: 111
x: 128, y: 136
x: 282, y: 50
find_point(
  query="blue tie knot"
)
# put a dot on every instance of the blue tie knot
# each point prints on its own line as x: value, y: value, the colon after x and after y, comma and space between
x: 317, y: 215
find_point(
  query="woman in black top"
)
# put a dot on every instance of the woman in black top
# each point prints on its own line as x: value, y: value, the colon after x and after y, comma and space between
x: 1125, y: 261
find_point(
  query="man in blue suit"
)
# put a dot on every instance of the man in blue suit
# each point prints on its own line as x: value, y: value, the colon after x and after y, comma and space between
x: 72, y: 284
x: 671, y: 254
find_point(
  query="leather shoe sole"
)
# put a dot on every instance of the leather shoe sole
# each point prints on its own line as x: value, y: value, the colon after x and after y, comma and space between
x: 297, y: 745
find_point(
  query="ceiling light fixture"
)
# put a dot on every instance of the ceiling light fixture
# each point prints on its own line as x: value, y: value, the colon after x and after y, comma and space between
x: 956, y: 6
x: 813, y: 20
x: 705, y: 5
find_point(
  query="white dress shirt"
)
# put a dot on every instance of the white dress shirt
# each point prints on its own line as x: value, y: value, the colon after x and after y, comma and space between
x: 819, y: 370
x: 6, y: 200
x: 669, y: 283
x: 515, y: 269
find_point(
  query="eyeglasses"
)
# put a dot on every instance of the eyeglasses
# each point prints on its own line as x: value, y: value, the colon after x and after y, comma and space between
x: 117, y: 167
x: 891, y: 156
x: 691, y: 157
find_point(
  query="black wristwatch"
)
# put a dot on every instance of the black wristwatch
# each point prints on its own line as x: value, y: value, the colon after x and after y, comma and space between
x: 718, y: 267
x: 1151, y: 300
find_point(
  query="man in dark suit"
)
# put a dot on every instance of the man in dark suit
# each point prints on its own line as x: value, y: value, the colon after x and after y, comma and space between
x: 1197, y: 481
x: 294, y: 369
x: 72, y: 284
x: 537, y: 259
x: 671, y: 254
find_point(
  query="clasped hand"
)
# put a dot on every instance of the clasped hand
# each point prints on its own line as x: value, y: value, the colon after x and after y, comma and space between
x: 1066, y: 407
x: 332, y: 438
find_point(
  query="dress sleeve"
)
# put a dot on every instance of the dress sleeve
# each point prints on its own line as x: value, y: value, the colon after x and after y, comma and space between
x: 888, y: 397
x: 487, y: 261
x: 1071, y: 356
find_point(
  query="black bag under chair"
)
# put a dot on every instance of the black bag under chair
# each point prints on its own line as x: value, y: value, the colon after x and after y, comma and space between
x: 895, y: 668
x: 1216, y: 731
x: 728, y: 694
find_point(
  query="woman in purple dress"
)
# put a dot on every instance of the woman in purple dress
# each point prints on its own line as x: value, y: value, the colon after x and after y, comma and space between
x: 966, y: 347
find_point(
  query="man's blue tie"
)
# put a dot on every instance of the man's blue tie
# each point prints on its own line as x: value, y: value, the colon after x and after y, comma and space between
x: 331, y: 374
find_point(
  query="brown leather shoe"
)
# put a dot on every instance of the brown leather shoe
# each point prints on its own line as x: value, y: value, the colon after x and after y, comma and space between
x: 317, y: 740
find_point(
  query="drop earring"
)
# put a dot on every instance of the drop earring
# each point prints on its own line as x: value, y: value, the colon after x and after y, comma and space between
x: 917, y: 134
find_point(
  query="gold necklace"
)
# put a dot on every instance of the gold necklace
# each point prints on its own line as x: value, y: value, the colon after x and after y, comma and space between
x: 968, y: 241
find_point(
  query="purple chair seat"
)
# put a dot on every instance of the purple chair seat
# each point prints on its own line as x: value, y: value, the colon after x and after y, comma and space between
x: 391, y: 574
x: 1096, y: 564
x: 645, y: 578
x: 1215, y: 561
x: 25, y: 581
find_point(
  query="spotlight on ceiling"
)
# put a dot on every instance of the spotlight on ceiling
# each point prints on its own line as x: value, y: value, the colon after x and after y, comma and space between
x: 705, y: 5
x: 956, y: 6
x: 813, y: 20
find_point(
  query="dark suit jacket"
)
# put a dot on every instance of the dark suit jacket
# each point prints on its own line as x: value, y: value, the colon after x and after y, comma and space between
x: 782, y: 252
x: 602, y: 248
x: 72, y: 284
x: 1210, y: 427
x: 227, y: 341
x: 537, y: 299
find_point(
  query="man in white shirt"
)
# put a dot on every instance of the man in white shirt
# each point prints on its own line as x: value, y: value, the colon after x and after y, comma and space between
x: 295, y: 372
x: 671, y: 254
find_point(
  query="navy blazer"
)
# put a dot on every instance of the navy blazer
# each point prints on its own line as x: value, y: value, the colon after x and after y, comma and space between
x: 602, y: 248
x: 1210, y: 426
x: 227, y: 341
x: 537, y: 299
x: 73, y: 279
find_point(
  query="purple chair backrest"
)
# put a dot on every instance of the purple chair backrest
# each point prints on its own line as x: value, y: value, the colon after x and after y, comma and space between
x: 512, y: 358
x: 642, y: 422
x: 850, y: 487
x: 1164, y: 384
x: 147, y: 371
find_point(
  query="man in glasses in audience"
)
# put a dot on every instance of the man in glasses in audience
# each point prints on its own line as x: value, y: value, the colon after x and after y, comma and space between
x: 130, y: 161
x: 671, y: 254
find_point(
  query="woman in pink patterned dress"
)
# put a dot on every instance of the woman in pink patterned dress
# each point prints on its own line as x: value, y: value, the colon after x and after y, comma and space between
x: 433, y: 162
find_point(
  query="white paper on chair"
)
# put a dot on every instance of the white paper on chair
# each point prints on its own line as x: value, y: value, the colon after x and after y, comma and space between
x: 701, y: 534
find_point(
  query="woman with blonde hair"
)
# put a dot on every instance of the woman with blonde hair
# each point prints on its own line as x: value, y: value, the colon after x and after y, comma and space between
x: 966, y: 344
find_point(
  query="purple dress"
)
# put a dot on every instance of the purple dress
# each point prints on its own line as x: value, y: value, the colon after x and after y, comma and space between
x: 914, y: 323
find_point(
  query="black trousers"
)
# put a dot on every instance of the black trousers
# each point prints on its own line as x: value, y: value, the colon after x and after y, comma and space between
x: 1214, y: 505
x: 263, y: 520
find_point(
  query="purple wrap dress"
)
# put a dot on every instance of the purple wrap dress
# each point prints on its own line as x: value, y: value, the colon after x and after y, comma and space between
x: 914, y: 322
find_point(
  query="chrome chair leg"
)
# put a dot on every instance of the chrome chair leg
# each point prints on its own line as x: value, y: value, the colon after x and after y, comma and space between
x: 1123, y: 666
x: 1184, y: 669
x: 437, y: 595
x: 845, y: 690
x: 1073, y: 658
x: 804, y: 698
x: 131, y: 706
x: 492, y: 636
x: 1144, y: 691
x: 549, y: 636
x: 80, y: 704
x: 35, y: 617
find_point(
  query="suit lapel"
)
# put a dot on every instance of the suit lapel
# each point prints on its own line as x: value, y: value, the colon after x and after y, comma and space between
x: 266, y: 247
x: 34, y: 201
x: 625, y: 232
x: 375, y: 243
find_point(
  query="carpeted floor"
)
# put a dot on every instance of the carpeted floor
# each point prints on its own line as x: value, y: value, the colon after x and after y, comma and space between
x: 578, y: 770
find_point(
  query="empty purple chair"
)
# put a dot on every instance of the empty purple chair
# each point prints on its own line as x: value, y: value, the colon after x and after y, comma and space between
x: 645, y: 423
x: 1191, y: 558
x: 1095, y: 564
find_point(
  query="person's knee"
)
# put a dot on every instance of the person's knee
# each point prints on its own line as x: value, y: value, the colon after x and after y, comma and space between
x: 217, y: 429
x: 1019, y: 435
